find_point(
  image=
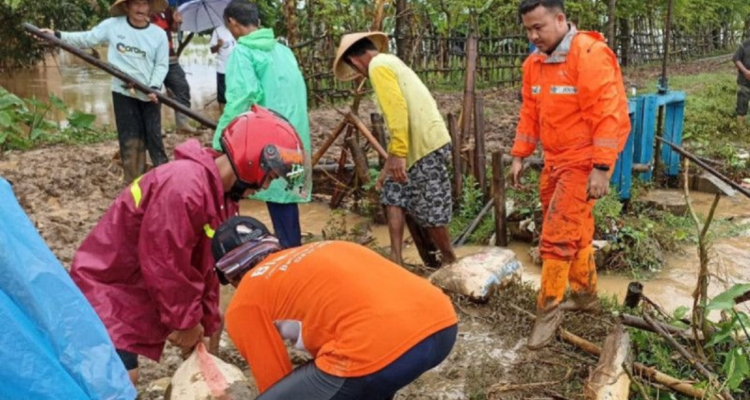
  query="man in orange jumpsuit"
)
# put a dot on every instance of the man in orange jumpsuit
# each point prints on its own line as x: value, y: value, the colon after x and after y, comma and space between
x: 574, y: 102
x: 372, y: 326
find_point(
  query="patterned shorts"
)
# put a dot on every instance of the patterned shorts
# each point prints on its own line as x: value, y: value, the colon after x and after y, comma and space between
x: 427, y: 194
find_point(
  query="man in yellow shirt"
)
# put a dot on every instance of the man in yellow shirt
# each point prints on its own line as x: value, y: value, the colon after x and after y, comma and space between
x: 415, y: 176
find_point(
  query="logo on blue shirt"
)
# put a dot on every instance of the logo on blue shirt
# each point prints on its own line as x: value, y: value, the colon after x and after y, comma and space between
x: 123, y: 48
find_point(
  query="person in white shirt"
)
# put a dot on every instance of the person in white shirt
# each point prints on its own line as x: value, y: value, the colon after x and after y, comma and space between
x: 222, y: 43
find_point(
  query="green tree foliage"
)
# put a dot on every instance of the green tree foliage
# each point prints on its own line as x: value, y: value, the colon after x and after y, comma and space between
x: 21, y: 50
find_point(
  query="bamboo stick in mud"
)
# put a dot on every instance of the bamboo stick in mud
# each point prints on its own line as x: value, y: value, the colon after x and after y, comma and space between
x: 112, y: 70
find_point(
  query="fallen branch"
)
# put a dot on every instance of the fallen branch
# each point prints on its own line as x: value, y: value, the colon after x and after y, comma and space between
x: 688, y: 356
x: 639, y: 323
x: 643, y: 370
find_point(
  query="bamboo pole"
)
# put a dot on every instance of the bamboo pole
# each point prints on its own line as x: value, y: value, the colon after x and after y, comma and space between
x: 705, y: 166
x: 461, y: 239
x: 366, y: 133
x: 112, y: 70
x: 498, y: 194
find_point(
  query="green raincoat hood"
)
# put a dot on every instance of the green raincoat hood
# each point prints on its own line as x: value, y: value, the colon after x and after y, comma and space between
x: 262, y: 39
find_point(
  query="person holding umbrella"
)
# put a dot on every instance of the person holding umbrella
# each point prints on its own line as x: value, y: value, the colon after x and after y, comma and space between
x: 139, y: 49
x: 263, y: 71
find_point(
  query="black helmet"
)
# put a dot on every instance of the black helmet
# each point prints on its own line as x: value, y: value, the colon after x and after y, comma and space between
x: 240, y: 244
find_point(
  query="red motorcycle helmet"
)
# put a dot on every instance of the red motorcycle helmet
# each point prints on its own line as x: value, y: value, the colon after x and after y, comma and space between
x: 259, y: 142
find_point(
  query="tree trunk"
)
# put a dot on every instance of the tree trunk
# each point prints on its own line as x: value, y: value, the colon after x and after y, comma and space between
x: 611, y: 31
x: 290, y: 15
x: 625, y: 41
x: 401, y: 25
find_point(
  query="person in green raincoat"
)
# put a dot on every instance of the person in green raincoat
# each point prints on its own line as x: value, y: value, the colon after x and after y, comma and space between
x: 265, y: 72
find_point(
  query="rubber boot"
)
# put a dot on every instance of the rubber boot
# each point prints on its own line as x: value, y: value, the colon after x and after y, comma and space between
x: 548, y: 318
x: 182, y: 124
x: 133, y: 157
x: 583, y: 278
x: 583, y: 301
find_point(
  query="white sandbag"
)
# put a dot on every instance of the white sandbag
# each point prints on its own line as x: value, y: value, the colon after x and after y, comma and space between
x: 205, y: 377
x: 479, y: 275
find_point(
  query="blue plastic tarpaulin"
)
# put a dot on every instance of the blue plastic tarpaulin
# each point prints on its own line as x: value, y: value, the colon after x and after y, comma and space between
x: 52, y: 343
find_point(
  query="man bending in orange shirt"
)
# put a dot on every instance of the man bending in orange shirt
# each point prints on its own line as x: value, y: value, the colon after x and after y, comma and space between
x: 574, y: 103
x: 371, y: 326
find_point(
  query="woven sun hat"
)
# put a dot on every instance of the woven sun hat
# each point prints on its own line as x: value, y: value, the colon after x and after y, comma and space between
x: 118, y: 7
x: 341, y: 69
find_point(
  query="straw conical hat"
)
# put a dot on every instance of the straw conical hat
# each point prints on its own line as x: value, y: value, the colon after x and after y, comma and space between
x: 341, y: 69
x: 118, y: 8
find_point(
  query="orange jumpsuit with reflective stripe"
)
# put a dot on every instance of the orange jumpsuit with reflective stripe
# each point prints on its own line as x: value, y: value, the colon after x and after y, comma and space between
x: 574, y: 102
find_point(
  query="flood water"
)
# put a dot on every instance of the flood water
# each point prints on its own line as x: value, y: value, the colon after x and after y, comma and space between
x: 88, y: 89
x: 671, y: 287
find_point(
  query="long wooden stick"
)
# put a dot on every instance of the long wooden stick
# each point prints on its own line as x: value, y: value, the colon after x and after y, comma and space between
x: 112, y: 70
x: 642, y: 370
x: 461, y: 239
x: 331, y: 138
x: 705, y: 166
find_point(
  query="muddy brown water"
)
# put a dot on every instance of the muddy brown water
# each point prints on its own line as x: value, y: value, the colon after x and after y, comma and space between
x: 671, y: 287
x: 88, y: 89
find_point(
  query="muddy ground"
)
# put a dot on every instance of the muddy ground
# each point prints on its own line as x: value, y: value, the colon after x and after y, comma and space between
x: 65, y: 189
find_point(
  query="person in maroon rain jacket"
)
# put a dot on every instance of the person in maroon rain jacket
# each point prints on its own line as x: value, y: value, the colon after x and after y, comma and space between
x: 147, y: 266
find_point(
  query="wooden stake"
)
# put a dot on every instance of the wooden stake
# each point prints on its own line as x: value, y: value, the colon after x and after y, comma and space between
x: 360, y: 160
x: 339, y: 192
x: 376, y: 120
x: 480, y: 161
x: 468, y: 160
x: 498, y: 194
x: 458, y: 173
x: 471, y: 66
